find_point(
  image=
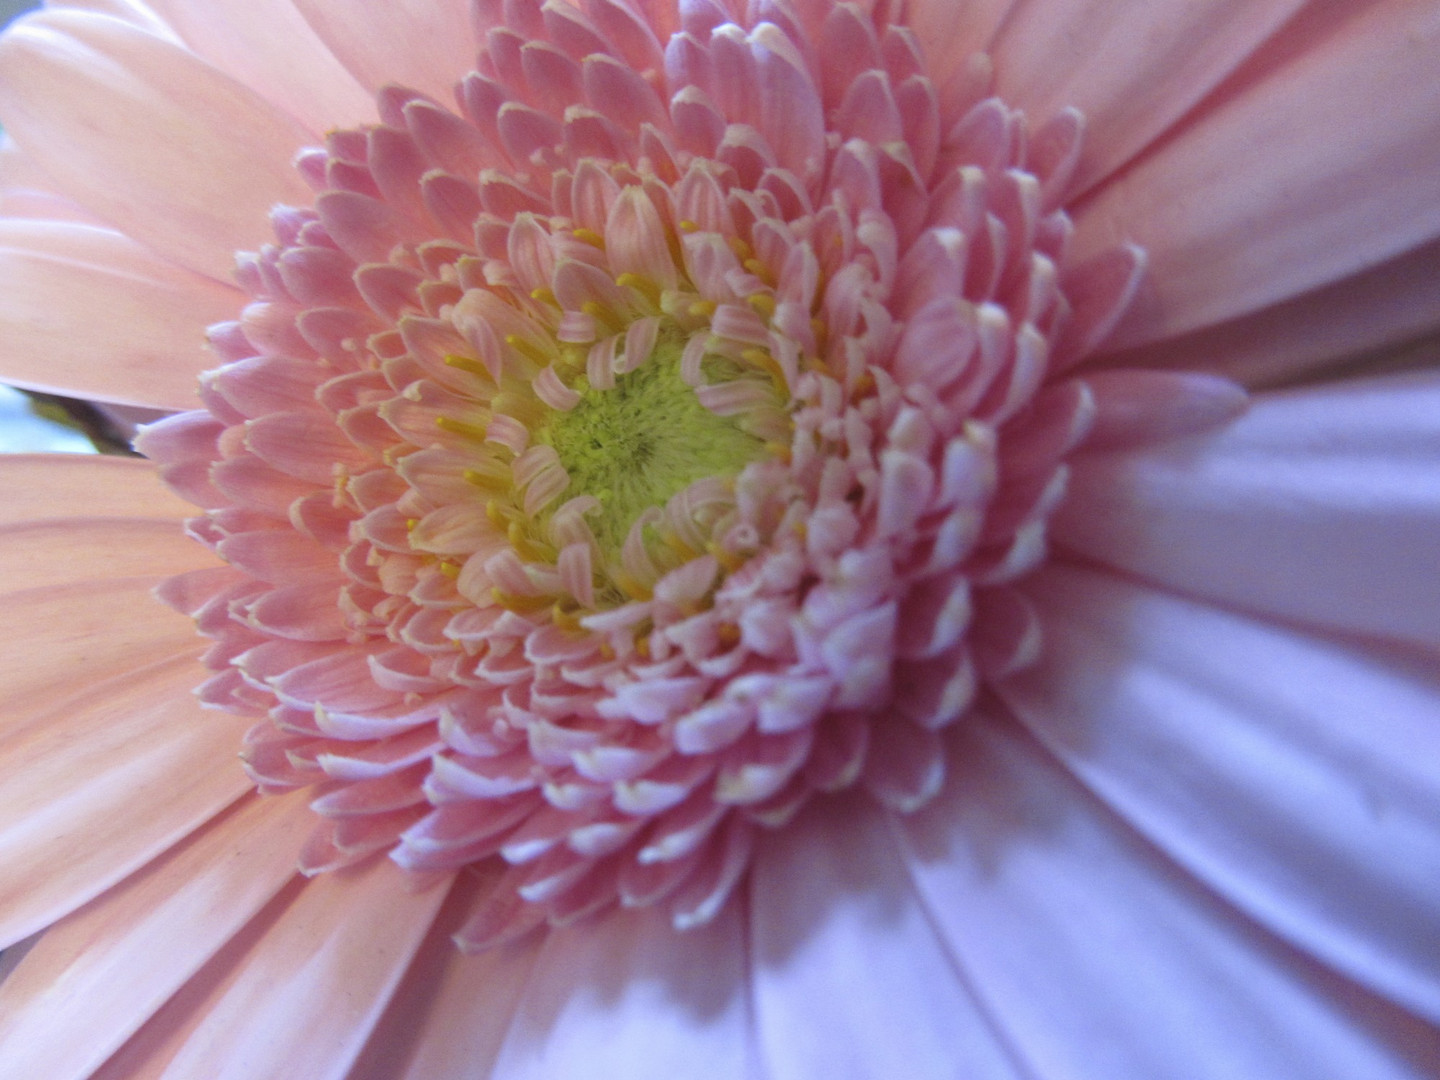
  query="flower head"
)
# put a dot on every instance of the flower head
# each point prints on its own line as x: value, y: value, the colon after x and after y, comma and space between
x: 616, y: 459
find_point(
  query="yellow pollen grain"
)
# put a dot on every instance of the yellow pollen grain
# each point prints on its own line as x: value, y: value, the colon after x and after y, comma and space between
x: 591, y: 237
x: 410, y: 524
x: 460, y: 427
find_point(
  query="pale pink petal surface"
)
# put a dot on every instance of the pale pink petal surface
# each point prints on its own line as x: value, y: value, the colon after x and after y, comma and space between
x: 810, y: 763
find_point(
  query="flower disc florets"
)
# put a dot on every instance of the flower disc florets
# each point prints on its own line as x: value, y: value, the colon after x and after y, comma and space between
x: 608, y: 468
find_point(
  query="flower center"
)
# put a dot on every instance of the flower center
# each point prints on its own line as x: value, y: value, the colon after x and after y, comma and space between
x: 642, y: 441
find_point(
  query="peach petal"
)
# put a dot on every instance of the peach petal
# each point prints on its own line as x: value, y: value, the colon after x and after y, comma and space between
x: 315, y: 972
x: 47, y: 487
x: 137, y: 731
x: 220, y: 154
x: 119, y: 958
x: 90, y: 312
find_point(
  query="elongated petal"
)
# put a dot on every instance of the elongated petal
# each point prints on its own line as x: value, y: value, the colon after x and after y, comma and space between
x: 1320, y: 505
x: 297, y: 992
x: 625, y: 995
x: 267, y: 45
x: 91, y: 313
x: 70, y: 823
x: 1294, y: 775
x: 451, y: 1013
x: 1246, y: 207
x: 1308, y: 336
x: 848, y: 975
x: 1133, y: 67
x: 98, y: 628
x: 47, y: 487
x: 1100, y: 958
x: 415, y: 43
x: 188, y: 161
x: 53, y: 552
x: 108, y: 967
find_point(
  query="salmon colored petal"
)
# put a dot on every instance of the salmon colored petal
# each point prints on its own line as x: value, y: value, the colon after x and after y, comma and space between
x: 91, y: 313
x: 297, y: 992
x: 70, y: 823
x: 1321, y: 505
x: 952, y: 32
x: 1396, y: 302
x: 267, y: 45
x: 96, y: 628
x: 1099, y: 958
x: 188, y: 161
x: 105, y: 969
x: 1248, y: 206
x: 423, y: 44
x: 849, y: 977
x: 1296, y: 776
x: 48, y: 487
x: 450, y: 1015
x: 1133, y: 67
x: 54, y: 552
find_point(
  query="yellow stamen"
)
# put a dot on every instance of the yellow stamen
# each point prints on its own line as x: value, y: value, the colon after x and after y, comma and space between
x: 589, y: 236
x: 465, y: 363
x: 687, y: 226
x: 643, y: 285
x: 761, y: 271
x: 527, y: 349
x: 450, y: 570
x: 763, y: 304
x: 703, y: 309
x: 521, y: 605
x: 460, y: 427
x: 600, y: 313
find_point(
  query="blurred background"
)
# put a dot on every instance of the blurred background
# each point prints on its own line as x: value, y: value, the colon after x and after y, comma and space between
x: 37, y: 422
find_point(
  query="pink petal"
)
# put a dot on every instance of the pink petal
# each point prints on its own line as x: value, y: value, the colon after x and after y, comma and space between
x: 297, y: 992
x: 268, y: 46
x: 623, y: 994
x: 415, y: 43
x: 1100, y: 958
x: 187, y: 161
x: 1246, y: 207
x: 847, y: 975
x: 1132, y: 67
x: 1320, y: 505
x: 1293, y: 775
x: 91, y: 313
x: 1395, y: 302
x: 71, y: 779
x: 450, y: 1014
x: 119, y: 958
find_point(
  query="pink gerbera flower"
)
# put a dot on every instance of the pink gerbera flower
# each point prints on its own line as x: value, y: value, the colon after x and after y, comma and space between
x: 741, y: 519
